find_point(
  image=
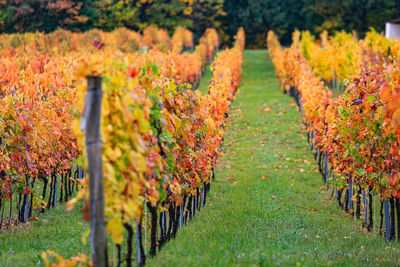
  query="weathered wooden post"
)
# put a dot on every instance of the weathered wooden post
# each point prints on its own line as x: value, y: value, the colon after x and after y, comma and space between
x: 312, y: 140
x: 26, y: 208
x: 326, y: 171
x: 387, y: 219
x: 55, y: 191
x: 365, y: 207
x: 140, y: 255
x: 90, y: 123
x: 350, y: 195
x: 181, y: 215
x: 202, y: 194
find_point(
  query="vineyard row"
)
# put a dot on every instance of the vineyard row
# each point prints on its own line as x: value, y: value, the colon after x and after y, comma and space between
x: 355, y: 135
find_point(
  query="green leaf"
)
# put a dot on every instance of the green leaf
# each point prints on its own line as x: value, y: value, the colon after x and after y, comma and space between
x: 154, y: 69
x: 361, y: 172
x: 371, y: 98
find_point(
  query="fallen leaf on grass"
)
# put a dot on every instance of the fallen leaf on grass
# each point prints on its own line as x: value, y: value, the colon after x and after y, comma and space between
x: 228, y: 177
x: 301, y: 170
x: 310, y: 209
x: 267, y: 110
x: 264, y: 178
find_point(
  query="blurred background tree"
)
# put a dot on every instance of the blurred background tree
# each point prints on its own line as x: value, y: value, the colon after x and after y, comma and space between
x: 256, y: 16
x: 41, y: 15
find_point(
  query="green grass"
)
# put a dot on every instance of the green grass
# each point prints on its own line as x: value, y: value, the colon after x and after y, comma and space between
x: 205, y: 80
x: 57, y: 230
x: 284, y: 219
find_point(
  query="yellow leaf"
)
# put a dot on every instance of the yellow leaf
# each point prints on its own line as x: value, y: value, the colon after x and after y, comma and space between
x: 116, y: 229
x: 44, y: 257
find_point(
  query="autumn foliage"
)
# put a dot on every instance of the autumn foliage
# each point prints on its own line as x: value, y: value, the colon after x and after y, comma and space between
x: 360, y: 128
x: 38, y: 81
x: 161, y: 139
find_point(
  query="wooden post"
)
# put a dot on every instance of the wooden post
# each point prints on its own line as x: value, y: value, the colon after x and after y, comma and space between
x: 26, y: 208
x: 312, y: 140
x: 181, y: 215
x: 140, y: 255
x: 365, y: 207
x: 90, y: 123
x: 55, y: 191
x: 387, y: 219
x: 202, y: 194
x: 326, y: 169
x: 350, y: 195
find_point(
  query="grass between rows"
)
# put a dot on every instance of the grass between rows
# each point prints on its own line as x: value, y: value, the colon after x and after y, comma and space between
x: 205, y: 80
x: 57, y: 230
x: 266, y: 206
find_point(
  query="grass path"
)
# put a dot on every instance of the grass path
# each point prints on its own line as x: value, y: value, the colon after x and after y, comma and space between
x: 205, y: 80
x: 57, y: 230
x: 266, y: 206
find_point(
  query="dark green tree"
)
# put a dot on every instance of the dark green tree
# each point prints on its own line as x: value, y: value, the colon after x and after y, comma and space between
x: 206, y: 14
x: 42, y: 15
x: 357, y: 15
x: 259, y: 16
x: 166, y: 14
x: 256, y: 16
